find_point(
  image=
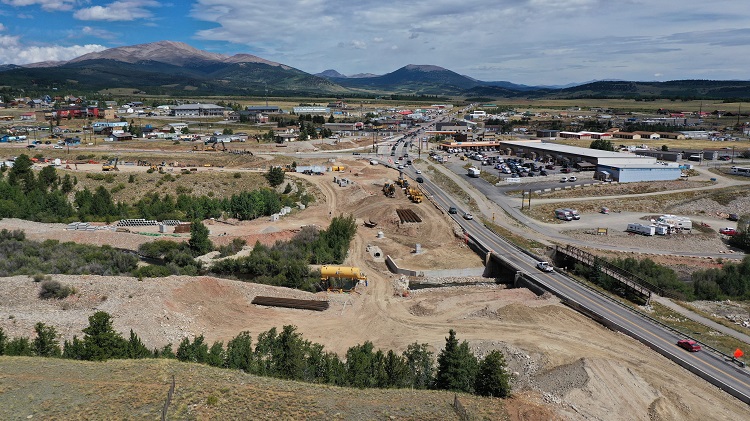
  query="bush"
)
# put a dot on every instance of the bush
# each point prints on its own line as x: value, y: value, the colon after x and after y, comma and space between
x: 54, y: 289
x: 237, y: 175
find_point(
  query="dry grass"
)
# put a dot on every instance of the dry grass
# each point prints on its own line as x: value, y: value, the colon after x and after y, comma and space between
x: 600, y: 190
x: 212, y: 183
x: 129, y: 389
x: 720, y: 341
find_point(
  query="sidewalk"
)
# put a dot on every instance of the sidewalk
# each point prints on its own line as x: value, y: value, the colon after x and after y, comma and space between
x: 700, y: 319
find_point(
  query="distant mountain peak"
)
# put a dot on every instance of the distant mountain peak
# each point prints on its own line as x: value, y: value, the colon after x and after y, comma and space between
x: 330, y: 73
x: 424, y: 68
x: 170, y: 52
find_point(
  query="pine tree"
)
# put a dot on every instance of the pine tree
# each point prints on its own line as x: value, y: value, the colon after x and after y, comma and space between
x: 46, y: 343
x: 457, y: 366
x: 199, y: 242
x: 101, y: 341
x: 492, y: 378
x: 421, y: 366
x: 239, y: 355
x: 136, y: 348
x: 3, y: 341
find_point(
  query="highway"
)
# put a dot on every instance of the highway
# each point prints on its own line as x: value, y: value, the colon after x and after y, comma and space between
x: 711, y: 366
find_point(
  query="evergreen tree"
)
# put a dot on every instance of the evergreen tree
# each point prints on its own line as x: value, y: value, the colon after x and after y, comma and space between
x: 492, y: 378
x: 239, y: 354
x: 457, y: 366
x: 264, y: 352
x: 136, y: 348
x: 3, y: 341
x: 101, y: 342
x: 421, y: 365
x: 46, y: 343
x: 360, y: 365
x: 216, y: 355
x: 275, y: 176
x: 289, y: 354
x: 199, y: 242
x: 74, y: 350
x: 19, y: 347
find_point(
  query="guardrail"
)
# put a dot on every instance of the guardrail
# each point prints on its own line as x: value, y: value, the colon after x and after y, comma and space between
x: 614, y: 326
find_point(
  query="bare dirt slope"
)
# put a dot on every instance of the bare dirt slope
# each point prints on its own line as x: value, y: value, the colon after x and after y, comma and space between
x: 575, y: 367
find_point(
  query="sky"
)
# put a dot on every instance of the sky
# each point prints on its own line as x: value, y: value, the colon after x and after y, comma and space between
x: 533, y: 42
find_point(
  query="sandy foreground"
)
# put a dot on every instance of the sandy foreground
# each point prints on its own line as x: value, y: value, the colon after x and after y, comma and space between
x: 573, y: 366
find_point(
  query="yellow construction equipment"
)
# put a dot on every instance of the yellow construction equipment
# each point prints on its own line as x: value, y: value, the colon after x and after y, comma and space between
x: 414, y: 194
x: 389, y: 190
x: 328, y: 274
x: 111, y: 165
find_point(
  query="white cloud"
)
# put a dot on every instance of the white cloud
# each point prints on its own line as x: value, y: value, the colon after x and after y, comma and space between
x: 124, y: 10
x: 14, y: 51
x: 528, y: 41
x: 47, y: 5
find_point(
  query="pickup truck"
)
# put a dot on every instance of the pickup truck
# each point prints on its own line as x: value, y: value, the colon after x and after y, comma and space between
x: 544, y: 266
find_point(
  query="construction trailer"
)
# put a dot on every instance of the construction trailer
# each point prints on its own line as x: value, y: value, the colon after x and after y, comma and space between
x: 641, y: 229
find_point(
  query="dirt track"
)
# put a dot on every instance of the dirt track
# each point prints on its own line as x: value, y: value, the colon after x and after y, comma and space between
x: 579, y: 369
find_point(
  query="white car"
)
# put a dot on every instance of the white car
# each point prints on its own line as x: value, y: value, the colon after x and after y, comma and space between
x: 544, y: 266
x: 419, y: 171
x: 58, y: 147
x: 572, y: 178
x: 564, y: 179
x: 468, y: 216
x: 401, y: 167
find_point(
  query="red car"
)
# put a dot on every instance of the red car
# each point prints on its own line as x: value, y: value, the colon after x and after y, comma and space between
x: 689, y: 345
x: 728, y: 231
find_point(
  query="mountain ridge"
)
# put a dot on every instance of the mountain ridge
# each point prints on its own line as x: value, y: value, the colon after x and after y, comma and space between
x: 176, y: 68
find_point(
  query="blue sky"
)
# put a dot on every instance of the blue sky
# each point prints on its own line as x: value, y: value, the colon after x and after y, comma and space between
x: 522, y: 41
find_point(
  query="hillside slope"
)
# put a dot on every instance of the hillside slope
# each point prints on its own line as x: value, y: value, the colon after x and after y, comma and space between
x: 45, y: 388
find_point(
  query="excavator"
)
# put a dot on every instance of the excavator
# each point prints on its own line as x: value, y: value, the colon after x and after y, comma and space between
x: 111, y: 165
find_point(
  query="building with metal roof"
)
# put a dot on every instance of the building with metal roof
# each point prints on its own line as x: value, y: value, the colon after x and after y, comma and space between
x: 196, y: 110
x: 616, y: 166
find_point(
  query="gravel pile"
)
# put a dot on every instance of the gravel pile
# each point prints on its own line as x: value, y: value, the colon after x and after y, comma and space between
x: 710, y: 207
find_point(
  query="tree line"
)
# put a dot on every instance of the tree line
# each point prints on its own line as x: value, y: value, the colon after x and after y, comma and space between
x: 286, y: 355
x: 731, y: 281
x: 44, y: 197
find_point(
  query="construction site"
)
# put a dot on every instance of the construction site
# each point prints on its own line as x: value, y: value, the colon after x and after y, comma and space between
x: 564, y: 365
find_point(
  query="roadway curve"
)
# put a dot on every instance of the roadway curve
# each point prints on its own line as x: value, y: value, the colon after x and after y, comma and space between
x: 712, y: 366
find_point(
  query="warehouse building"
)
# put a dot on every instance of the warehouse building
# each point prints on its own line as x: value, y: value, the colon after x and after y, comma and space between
x: 614, y: 166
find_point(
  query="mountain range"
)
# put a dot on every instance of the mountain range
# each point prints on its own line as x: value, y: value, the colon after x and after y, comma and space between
x: 175, y: 68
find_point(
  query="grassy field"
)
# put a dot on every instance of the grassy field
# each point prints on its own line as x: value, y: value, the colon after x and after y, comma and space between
x: 42, y: 388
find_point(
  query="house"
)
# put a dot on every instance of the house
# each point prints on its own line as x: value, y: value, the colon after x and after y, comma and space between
x: 28, y: 117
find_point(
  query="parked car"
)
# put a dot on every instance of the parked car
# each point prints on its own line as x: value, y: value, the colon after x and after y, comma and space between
x: 734, y: 217
x: 728, y: 231
x: 468, y: 216
x: 542, y: 172
x: 689, y: 345
x: 58, y: 147
x: 572, y: 178
x: 544, y: 267
x: 566, y: 170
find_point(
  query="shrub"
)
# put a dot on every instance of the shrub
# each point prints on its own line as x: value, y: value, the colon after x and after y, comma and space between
x: 237, y: 175
x: 54, y: 289
x: 131, y: 178
x: 117, y: 188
